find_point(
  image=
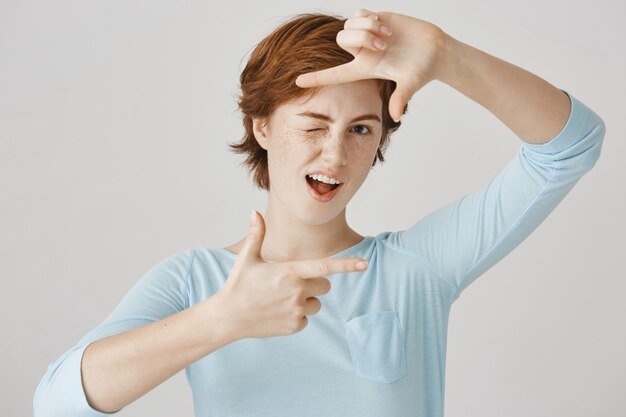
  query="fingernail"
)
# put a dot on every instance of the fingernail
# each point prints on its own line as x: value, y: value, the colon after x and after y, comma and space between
x: 361, y: 265
x: 385, y: 29
x: 253, y: 217
x: 379, y: 43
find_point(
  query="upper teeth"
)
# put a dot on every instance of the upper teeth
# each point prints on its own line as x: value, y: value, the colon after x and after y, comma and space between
x: 325, y: 179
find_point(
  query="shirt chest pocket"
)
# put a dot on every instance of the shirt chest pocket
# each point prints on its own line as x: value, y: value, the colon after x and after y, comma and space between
x: 376, y: 344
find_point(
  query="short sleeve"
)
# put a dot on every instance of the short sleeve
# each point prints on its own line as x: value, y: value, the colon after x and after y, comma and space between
x: 462, y: 240
x: 161, y: 292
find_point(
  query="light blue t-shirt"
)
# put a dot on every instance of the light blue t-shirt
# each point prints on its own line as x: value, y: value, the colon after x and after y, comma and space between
x: 378, y: 345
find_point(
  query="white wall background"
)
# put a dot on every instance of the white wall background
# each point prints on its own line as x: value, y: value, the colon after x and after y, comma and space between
x: 114, y: 119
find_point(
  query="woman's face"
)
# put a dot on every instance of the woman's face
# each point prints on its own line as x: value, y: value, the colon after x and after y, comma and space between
x: 321, y: 133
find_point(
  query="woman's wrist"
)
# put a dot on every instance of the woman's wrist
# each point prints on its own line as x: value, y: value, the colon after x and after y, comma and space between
x: 448, y: 59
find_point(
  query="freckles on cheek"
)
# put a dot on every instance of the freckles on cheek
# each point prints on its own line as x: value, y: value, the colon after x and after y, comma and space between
x: 282, y: 160
x: 286, y: 153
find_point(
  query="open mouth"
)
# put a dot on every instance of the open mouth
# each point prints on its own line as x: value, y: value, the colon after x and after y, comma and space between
x: 321, y: 187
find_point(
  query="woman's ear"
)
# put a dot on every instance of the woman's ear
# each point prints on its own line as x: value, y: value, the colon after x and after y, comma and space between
x: 259, y: 128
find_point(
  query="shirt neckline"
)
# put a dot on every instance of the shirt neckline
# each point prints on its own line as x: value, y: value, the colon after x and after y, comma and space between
x: 366, y: 240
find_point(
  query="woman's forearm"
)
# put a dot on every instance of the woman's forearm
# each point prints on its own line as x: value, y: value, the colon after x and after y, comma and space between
x: 119, y: 369
x: 530, y: 106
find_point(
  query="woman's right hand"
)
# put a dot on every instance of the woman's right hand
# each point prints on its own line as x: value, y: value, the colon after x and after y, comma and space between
x: 264, y: 299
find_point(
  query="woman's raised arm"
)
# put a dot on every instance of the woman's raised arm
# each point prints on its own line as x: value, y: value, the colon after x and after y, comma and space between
x: 416, y: 52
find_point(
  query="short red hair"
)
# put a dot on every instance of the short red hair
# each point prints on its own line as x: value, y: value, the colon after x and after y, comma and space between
x: 304, y: 43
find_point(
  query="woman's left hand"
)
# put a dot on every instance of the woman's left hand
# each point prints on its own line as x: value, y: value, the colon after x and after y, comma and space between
x: 411, y: 58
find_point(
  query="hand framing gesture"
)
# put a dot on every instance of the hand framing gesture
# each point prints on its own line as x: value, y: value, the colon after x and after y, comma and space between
x: 410, y: 57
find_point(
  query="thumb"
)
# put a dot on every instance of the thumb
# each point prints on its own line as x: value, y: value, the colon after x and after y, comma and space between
x: 340, y: 74
x: 397, y: 102
x: 254, y: 240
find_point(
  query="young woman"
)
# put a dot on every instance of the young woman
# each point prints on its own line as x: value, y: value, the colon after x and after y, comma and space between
x: 320, y: 97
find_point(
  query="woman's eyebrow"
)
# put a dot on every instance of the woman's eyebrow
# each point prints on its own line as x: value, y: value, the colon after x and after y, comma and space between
x: 328, y: 119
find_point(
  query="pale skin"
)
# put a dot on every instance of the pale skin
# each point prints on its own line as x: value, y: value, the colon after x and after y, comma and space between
x: 297, y: 144
x: 273, y: 277
x: 416, y: 53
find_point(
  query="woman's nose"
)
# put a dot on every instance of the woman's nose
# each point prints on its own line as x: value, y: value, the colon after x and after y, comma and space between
x: 334, y: 150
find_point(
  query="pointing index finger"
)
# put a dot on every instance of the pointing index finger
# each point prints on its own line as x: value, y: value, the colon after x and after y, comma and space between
x: 315, y: 268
